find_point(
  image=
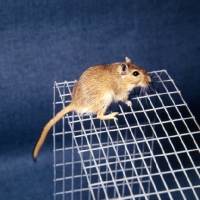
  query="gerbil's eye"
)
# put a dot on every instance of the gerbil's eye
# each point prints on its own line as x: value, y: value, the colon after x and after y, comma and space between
x: 136, y: 73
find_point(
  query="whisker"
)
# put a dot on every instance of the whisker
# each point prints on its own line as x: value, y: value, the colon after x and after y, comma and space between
x: 153, y: 82
x: 148, y: 90
x: 152, y: 86
x: 141, y: 91
x: 154, y: 76
x: 146, y: 102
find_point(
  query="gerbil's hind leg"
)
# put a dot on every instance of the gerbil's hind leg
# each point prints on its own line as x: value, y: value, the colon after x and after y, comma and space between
x: 107, y: 117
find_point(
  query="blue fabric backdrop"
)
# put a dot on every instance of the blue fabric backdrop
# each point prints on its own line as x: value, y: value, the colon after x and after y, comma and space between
x: 43, y: 41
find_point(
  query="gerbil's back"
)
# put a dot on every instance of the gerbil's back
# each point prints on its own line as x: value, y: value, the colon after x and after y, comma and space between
x: 93, y: 84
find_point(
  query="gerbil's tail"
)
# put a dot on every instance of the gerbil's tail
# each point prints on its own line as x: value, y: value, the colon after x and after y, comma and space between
x: 48, y: 127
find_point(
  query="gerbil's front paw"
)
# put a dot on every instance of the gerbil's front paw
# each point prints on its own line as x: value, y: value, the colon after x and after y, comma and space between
x: 128, y: 103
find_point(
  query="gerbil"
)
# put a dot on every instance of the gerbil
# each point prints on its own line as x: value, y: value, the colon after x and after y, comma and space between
x: 97, y: 88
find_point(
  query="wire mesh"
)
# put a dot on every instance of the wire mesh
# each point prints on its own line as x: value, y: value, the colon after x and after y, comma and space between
x: 150, y: 153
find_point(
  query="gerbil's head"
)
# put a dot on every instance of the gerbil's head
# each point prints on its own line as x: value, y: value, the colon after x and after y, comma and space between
x: 134, y: 75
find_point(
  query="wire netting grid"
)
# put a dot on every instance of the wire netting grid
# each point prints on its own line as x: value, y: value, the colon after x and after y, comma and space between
x: 134, y: 157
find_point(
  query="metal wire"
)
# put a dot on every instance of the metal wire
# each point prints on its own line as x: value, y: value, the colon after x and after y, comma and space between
x: 151, y: 152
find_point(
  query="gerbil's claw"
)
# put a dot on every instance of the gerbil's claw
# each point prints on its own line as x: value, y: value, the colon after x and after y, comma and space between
x: 113, y: 115
x: 128, y: 103
x: 115, y: 118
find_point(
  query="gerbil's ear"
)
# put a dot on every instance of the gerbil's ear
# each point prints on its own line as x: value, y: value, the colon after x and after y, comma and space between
x: 124, y: 69
x: 128, y: 61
